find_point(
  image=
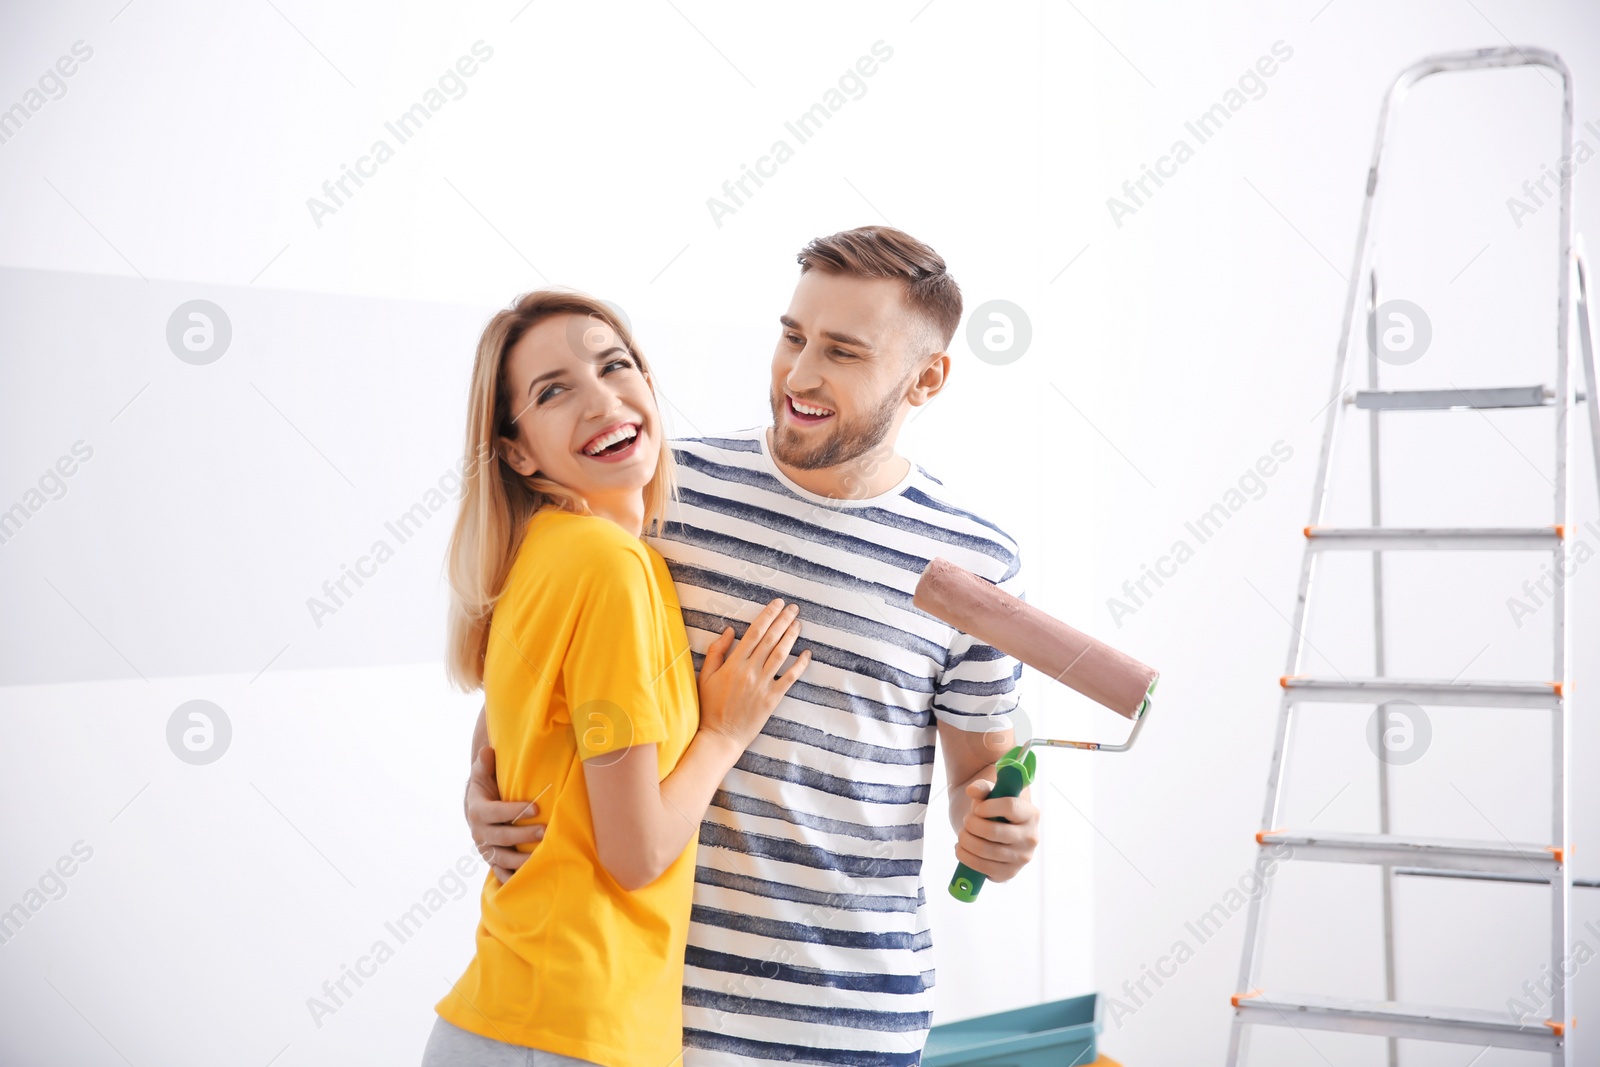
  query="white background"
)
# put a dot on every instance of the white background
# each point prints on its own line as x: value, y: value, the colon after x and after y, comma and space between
x: 1169, y: 354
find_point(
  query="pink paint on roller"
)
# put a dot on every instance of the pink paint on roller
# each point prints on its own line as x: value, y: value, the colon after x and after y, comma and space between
x: 1017, y: 628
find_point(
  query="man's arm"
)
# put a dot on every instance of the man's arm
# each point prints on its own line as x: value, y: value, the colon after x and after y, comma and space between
x: 492, y: 820
x: 997, y: 849
x: 480, y: 732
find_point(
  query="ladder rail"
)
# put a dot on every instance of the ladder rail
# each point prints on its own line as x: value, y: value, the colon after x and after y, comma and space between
x: 1586, y: 350
x: 1561, y: 726
x: 1379, y: 668
x: 1255, y: 916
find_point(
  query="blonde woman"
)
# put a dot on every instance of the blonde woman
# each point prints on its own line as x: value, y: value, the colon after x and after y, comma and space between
x: 570, y: 623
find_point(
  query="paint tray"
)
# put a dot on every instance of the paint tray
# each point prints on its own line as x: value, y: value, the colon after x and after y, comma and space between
x: 1059, y: 1034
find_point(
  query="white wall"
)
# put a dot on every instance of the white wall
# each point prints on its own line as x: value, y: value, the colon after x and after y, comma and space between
x: 1169, y: 354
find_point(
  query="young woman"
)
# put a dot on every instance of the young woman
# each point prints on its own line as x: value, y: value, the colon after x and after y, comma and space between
x: 571, y: 625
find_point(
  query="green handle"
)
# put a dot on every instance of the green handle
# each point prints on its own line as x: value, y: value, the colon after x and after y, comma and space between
x: 1013, y: 771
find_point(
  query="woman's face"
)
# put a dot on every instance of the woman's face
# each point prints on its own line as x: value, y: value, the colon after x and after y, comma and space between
x: 583, y: 410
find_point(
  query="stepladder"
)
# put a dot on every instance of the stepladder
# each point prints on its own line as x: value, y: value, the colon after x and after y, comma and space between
x: 1568, y: 392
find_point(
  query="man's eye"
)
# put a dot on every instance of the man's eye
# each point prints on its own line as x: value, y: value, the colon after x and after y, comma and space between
x: 842, y: 352
x: 793, y: 339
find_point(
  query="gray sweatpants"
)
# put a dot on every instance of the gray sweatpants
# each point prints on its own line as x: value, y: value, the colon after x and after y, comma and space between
x: 451, y: 1046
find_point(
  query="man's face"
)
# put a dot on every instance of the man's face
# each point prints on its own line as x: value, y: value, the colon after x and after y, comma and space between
x: 848, y: 351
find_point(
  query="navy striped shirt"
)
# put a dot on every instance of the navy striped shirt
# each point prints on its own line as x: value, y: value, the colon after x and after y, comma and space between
x: 809, y: 939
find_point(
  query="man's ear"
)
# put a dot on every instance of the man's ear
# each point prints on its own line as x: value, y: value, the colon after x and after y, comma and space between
x: 934, y: 375
x: 518, y: 457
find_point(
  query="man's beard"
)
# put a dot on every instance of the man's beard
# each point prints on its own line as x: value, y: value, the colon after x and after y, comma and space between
x: 847, y: 442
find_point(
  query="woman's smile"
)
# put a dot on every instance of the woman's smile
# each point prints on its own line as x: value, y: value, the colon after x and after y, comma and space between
x: 614, y: 444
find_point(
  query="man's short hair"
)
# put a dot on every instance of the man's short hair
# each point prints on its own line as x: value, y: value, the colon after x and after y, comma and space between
x: 884, y: 252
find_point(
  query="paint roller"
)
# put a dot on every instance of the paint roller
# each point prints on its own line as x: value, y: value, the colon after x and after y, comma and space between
x: 1020, y: 630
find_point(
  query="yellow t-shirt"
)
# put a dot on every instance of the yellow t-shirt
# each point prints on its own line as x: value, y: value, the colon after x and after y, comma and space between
x: 586, y: 655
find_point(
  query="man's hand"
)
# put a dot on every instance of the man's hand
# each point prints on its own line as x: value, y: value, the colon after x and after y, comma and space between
x: 491, y: 819
x: 997, y: 849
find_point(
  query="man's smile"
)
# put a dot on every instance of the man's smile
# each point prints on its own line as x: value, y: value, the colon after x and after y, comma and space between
x: 806, y: 414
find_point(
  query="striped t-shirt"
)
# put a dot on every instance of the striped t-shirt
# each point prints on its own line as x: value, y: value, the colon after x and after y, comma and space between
x: 809, y: 939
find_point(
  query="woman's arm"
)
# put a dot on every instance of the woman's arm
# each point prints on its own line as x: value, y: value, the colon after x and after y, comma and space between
x: 642, y: 822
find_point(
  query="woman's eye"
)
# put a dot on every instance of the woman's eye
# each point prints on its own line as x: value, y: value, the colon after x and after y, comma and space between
x: 619, y: 361
x: 548, y: 392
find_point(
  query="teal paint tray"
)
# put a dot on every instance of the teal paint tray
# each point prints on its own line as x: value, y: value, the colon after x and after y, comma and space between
x: 1059, y: 1034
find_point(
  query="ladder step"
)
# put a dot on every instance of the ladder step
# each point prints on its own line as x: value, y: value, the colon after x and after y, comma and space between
x: 1394, y: 538
x: 1516, y: 396
x: 1441, y: 853
x: 1391, y: 1019
x: 1456, y: 694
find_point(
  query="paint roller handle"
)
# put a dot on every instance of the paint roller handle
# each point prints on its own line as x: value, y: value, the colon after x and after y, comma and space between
x: 1013, y: 772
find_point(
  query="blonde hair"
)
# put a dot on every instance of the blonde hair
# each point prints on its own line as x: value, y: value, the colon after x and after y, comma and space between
x: 496, y: 501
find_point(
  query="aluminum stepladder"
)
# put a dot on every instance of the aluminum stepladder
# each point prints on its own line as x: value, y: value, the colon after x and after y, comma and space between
x: 1542, y: 862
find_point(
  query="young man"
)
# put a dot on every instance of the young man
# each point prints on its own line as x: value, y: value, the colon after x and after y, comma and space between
x: 809, y: 938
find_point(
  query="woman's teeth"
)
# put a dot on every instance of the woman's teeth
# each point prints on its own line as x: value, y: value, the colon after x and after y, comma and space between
x: 617, y: 436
